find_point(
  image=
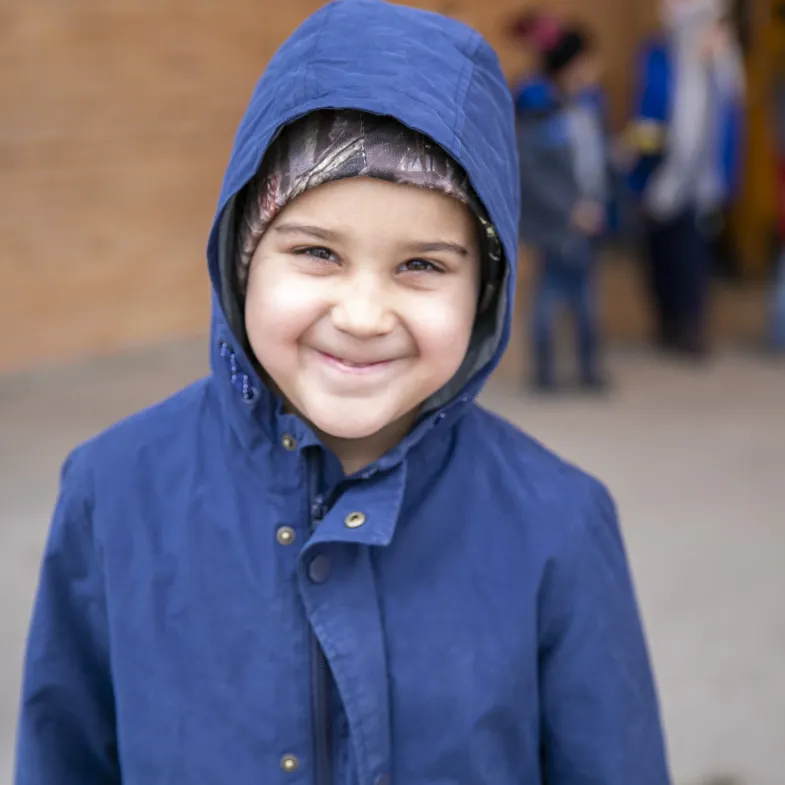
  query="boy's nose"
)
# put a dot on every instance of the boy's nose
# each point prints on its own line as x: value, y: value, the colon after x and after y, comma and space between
x: 363, y: 316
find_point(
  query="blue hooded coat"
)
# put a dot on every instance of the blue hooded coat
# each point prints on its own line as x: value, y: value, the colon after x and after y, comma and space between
x: 193, y: 626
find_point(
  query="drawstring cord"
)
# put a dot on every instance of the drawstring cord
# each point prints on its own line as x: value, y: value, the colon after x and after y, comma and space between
x: 240, y: 380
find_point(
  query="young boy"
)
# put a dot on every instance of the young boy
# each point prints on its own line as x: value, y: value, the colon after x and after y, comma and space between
x: 325, y: 563
x: 564, y: 187
x: 686, y: 139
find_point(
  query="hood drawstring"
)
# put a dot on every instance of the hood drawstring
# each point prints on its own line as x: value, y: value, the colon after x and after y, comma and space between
x: 240, y: 380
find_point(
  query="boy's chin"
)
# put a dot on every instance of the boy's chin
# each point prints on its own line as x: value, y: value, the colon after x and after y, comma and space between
x: 360, y: 422
x: 360, y: 428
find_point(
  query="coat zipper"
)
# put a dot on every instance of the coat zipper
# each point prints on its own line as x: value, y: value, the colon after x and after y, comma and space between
x: 320, y: 672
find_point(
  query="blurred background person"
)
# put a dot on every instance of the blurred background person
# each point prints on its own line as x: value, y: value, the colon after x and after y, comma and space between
x: 776, y: 336
x: 686, y: 144
x: 778, y: 309
x: 560, y: 114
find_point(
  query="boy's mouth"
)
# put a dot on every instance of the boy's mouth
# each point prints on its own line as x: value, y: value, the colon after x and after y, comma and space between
x: 353, y: 366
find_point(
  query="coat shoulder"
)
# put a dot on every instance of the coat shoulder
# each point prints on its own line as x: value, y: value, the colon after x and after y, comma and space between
x: 159, y: 435
x: 527, y: 475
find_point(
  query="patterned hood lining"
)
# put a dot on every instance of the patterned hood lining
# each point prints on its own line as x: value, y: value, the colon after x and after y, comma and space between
x: 329, y: 145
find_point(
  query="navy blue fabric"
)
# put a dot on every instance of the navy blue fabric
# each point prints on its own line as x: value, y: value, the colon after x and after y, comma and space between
x: 571, y: 283
x: 777, y: 317
x: 680, y: 260
x: 480, y: 626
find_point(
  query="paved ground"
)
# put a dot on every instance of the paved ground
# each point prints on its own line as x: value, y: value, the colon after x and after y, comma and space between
x: 696, y: 460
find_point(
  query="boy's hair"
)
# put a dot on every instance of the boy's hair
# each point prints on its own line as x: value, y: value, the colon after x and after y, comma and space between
x: 574, y: 43
x: 556, y: 45
x: 329, y: 145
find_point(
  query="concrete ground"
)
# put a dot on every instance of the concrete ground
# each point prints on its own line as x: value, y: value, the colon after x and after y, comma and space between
x: 695, y: 458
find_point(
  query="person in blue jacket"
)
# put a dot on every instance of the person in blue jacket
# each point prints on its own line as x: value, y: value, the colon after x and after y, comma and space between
x: 686, y: 142
x: 325, y: 563
x: 776, y: 317
x: 565, y: 188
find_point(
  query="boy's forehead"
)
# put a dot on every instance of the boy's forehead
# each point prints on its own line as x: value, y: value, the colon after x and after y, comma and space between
x: 391, y: 213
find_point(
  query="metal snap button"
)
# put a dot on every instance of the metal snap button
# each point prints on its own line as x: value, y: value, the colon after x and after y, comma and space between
x: 285, y: 535
x: 354, y: 520
x: 289, y: 442
x: 289, y: 763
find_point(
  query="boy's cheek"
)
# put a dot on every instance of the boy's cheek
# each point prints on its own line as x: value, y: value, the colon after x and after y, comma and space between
x: 282, y: 310
x: 442, y: 334
x: 448, y: 316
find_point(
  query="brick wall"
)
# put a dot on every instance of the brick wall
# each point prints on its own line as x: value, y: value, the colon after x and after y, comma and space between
x: 117, y: 119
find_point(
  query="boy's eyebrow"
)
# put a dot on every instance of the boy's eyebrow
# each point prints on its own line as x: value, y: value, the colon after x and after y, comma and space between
x: 436, y: 247
x: 314, y: 231
x: 325, y: 234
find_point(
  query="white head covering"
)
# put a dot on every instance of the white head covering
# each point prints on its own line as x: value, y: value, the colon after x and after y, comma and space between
x: 692, y: 15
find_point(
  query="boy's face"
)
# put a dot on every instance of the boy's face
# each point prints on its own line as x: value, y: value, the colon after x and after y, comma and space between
x: 361, y: 301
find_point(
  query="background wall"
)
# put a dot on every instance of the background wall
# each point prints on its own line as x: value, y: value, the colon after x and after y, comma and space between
x: 117, y: 121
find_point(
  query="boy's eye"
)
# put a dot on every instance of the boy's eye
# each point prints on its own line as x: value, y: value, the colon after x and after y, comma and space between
x: 322, y: 254
x: 316, y: 252
x: 421, y: 266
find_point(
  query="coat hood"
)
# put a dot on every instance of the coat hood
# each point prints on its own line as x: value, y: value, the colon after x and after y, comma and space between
x: 432, y: 74
x: 535, y: 96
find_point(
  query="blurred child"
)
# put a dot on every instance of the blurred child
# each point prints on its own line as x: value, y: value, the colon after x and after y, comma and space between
x: 776, y: 333
x: 564, y: 188
x: 778, y: 309
x: 324, y: 563
x: 686, y: 143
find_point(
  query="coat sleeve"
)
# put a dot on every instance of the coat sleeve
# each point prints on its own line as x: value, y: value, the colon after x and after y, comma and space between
x: 651, y: 102
x: 66, y: 731
x: 646, y: 136
x: 734, y: 121
x: 599, y: 708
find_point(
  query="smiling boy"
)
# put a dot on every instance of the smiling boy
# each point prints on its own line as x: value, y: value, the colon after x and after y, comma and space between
x: 324, y: 563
